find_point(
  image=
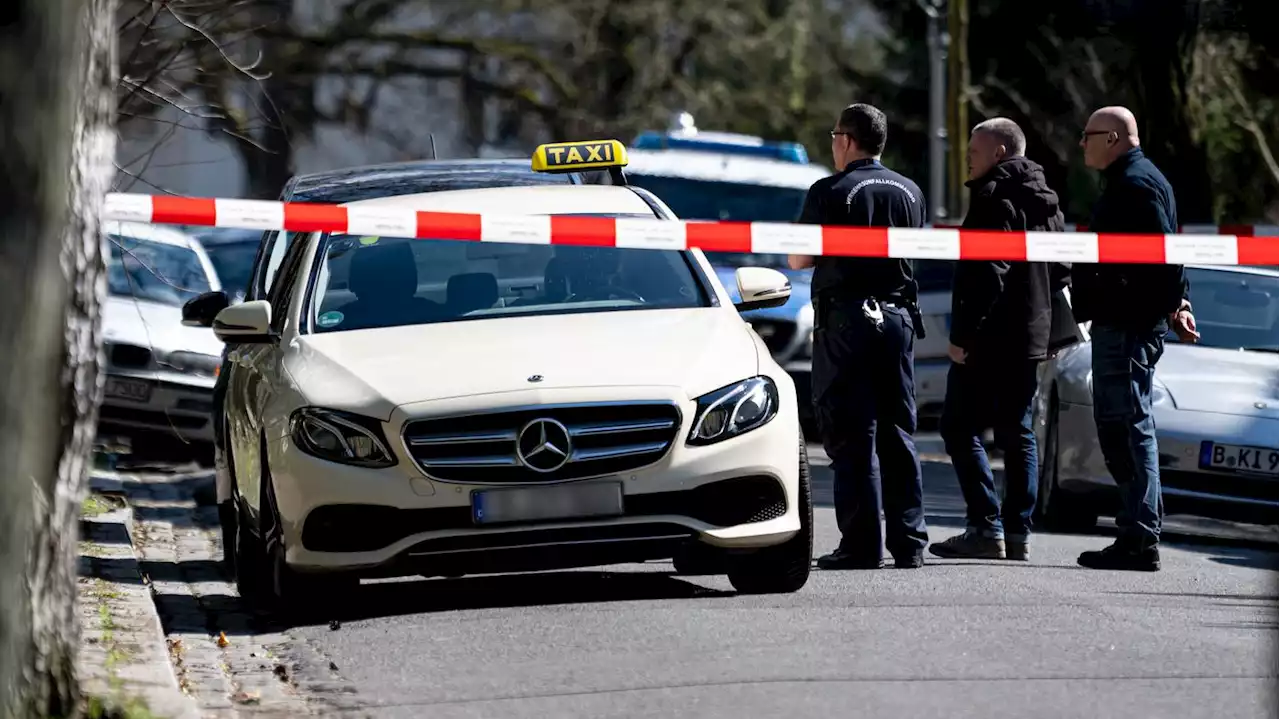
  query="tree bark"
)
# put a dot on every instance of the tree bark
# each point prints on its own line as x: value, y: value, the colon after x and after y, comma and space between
x: 57, y: 131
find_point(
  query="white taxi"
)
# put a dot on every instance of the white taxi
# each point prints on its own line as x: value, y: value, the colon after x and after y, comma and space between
x: 428, y: 407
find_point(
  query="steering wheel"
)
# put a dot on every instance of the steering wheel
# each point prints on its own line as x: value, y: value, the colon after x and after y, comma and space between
x: 606, y: 293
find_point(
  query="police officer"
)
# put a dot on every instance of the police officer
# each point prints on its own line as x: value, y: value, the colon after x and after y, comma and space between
x: 866, y: 321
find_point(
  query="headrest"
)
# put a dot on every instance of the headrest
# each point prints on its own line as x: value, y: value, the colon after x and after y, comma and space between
x: 472, y: 291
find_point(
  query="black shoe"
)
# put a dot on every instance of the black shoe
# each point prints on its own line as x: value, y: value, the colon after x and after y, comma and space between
x: 911, y: 561
x: 841, y: 559
x: 1124, y: 558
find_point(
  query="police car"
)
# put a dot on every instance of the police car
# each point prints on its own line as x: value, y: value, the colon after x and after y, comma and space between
x: 434, y: 407
x: 711, y: 175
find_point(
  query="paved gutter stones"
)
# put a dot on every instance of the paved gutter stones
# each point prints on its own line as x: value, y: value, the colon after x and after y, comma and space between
x: 228, y: 660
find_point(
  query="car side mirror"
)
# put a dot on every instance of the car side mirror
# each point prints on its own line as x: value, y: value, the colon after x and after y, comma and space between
x: 761, y: 288
x: 199, y: 311
x: 245, y: 323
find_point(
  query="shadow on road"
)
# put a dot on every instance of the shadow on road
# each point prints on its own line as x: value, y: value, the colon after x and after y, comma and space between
x: 228, y: 613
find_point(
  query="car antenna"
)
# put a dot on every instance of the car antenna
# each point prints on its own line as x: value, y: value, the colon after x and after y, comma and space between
x: 432, y: 137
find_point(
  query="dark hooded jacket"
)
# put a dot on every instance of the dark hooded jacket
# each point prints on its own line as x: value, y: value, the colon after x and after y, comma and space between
x: 1001, y: 310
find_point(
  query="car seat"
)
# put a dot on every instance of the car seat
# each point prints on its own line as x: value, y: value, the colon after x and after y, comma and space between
x: 471, y: 291
x: 384, y: 279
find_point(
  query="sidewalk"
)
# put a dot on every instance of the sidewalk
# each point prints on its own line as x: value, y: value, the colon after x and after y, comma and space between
x: 217, y: 658
x: 123, y: 661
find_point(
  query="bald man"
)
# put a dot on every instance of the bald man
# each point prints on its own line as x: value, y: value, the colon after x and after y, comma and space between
x: 1132, y: 308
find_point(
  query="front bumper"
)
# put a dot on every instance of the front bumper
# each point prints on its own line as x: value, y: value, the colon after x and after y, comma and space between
x: 739, y: 494
x: 1185, y: 486
x: 173, y: 404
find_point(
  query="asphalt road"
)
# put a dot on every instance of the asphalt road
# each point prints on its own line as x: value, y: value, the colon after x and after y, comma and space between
x: 957, y: 638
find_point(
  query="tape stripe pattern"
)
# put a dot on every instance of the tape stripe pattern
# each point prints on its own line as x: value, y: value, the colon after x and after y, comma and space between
x: 1195, y: 244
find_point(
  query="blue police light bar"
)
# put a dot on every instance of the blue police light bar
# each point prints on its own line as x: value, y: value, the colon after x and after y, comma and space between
x: 786, y: 151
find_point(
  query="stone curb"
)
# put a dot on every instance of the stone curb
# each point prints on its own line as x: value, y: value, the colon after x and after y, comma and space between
x: 145, y: 671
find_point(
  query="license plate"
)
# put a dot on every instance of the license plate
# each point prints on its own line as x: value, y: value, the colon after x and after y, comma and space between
x: 1237, y: 458
x: 130, y: 389
x: 533, y: 504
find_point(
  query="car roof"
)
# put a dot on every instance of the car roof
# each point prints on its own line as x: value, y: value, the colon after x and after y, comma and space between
x: 155, y: 233
x: 545, y: 200
x: 1240, y: 269
x: 406, y: 178
x: 724, y: 167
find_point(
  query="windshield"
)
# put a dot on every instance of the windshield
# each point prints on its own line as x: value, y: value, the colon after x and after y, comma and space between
x: 1235, y: 310
x: 154, y: 271
x: 233, y: 262
x: 367, y: 282
x: 733, y: 201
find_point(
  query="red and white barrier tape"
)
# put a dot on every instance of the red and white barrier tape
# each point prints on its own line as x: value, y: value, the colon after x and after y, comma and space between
x: 1214, y: 248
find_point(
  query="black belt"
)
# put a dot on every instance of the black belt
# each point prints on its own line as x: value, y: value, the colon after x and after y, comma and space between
x: 823, y: 307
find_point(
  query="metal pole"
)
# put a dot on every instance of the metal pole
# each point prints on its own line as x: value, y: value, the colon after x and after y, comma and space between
x: 938, y: 41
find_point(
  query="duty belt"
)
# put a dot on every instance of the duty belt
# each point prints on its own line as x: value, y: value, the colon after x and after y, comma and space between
x: 824, y: 306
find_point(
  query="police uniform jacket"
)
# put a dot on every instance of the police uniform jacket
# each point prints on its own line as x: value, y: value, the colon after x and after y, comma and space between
x: 1136, y: 198
x: 864, y: 194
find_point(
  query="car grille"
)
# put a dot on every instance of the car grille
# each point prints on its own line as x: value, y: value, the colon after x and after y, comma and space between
x: 128, y: 356
x: 776, y: 334
x: 602, y: 439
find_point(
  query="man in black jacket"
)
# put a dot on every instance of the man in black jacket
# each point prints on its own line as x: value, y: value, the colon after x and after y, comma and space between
x: 1131, y: 307
x: 1001, y: 314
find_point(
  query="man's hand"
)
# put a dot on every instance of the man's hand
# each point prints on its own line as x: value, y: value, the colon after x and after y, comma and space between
x: 1184, y: 325
x: 957, y: 354
x: 799, y: 262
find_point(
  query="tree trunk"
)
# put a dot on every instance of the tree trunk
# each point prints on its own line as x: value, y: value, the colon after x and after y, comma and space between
x: 57, y: 131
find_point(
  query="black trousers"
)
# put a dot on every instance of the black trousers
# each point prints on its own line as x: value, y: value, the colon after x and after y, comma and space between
x: 864, y: 401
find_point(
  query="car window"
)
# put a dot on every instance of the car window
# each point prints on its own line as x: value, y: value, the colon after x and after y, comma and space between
x: 735, y: 201
x: 933, y: 275
x: 154, y: 271
x: 233, y: 261
x: 282, y: 292
x: 366, y: 282
x: 274, y: 246
x: 1235, y: 310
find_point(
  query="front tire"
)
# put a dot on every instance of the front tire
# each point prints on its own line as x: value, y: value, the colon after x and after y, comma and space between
x: 266, y: 580
x: 1061, y: 511
x: 784, y: 568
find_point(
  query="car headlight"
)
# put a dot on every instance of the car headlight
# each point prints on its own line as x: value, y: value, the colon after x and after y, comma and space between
x: 194, y: 363
x: 1160, y: 395
x: 734, y: 410
x: 340, y: 437
x: 804, y: 322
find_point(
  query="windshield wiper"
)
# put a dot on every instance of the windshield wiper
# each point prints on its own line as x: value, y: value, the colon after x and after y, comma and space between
x: 1260, y: 349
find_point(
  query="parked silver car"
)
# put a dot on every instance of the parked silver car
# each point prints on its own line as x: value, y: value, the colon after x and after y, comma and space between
x: 1215, y: 408
x: 159, y: 374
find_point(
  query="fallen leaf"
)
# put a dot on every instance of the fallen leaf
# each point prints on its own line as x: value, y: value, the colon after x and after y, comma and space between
x: 222, y: 639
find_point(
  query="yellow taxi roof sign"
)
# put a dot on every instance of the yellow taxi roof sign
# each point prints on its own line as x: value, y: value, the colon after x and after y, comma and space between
x: 577, y: 156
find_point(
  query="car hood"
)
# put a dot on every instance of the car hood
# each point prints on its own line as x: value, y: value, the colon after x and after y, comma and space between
x: 800, y: 283
x: 156, y: 326
x: 1207, y: 379
x: 374, y: 371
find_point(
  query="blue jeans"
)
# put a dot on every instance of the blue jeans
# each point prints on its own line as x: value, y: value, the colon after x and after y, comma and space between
x: 864, y: 402
x: 1124, y: 365
x: 996, y: 395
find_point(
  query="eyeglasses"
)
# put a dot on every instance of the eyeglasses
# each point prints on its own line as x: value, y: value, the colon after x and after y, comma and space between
x: 837, y: 133
x: 1084, y: 136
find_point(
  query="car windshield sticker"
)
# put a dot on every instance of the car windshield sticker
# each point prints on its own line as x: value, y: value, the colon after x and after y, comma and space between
x: 329, y: 319
x: 366, y: 241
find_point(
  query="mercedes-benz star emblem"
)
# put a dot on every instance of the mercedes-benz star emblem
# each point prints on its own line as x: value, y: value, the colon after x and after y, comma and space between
x: 544, y: 445
x: 535, y: 378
